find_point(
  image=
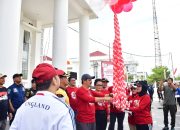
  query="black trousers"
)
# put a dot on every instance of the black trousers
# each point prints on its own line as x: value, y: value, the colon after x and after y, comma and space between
x: 120, y: 117
x: 178, y: 100
x: 101, y: 120
x: 85, y: 126
x: 160, y: 95
x: 173, y: 110
x: 144, y: 127
x: 13, y: 116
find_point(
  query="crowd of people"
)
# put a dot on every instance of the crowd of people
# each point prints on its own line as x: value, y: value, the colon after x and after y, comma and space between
x: 54, y: 102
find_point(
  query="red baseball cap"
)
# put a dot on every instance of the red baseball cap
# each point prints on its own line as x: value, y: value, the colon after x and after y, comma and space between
x: 44, y: 72
x: 61, y: 73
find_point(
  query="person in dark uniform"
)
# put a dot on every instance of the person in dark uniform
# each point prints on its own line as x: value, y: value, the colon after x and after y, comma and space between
x: 32, y: 91
x: 16, y: 94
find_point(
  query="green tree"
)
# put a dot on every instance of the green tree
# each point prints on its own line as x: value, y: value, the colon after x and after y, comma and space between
x: 130, y: 77
x: 177, y: 78
x: 158, y: 73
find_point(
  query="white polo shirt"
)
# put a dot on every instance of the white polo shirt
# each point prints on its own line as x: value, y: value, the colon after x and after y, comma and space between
x: 44, y: 111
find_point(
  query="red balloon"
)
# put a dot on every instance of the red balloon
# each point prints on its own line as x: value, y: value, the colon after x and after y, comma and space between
x: 121, y: 2
x: 116, y: 8
x: 127, y: 7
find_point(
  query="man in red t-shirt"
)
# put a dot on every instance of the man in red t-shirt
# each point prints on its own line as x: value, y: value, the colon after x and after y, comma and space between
x: 71, y: 92
x: 85, y: 102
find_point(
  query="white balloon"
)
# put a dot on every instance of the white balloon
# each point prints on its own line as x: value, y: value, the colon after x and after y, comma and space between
x: 111, y: 2
x: 97, y: 5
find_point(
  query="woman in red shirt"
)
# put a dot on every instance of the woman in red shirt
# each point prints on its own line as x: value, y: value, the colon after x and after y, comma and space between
x: 142, y: 107
x: 131, y: 99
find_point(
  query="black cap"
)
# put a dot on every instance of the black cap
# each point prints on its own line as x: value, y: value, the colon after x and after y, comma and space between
x: 17, y: 75
x: 87, y: 76
x: 105, y: 80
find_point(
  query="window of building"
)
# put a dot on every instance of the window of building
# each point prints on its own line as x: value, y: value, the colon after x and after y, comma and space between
x: 25, y: 56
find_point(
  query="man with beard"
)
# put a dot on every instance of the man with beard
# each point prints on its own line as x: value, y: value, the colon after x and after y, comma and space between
x: 16, y: 94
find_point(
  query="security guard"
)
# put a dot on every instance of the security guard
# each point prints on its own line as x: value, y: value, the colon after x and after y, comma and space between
x: 16, y: 94
x: 44, y: 111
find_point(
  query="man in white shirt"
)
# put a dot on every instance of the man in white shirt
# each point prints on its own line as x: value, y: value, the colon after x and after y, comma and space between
x: 44, y: 111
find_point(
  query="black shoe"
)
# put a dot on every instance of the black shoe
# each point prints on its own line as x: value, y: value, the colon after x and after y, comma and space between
x: 165, y: 128
x: 172, y: 128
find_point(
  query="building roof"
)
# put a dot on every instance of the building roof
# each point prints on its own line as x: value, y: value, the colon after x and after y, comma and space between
x: 47, y: 58
x: 97, y: 53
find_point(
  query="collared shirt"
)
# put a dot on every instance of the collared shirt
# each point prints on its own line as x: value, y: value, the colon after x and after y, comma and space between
x: 44, y: 111
x: 62, y: 94
x: 16, y: 93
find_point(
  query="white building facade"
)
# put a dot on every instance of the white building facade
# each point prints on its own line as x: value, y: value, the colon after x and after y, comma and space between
x: 21, y: 29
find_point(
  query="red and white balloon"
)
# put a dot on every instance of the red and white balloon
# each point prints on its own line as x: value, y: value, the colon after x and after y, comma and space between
x: 117, y: 6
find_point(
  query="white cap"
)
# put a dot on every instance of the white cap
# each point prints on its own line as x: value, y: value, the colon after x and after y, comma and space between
x: 2, y: 75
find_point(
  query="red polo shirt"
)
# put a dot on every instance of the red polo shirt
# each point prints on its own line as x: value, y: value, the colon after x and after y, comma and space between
x: 86, y: 106
x: 71, y: 92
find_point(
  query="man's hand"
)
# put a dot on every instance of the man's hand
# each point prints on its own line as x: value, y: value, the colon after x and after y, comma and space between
x: 109, y: 95
x: 107, y: 98
x: 10, y: 116
x: 173, y: 86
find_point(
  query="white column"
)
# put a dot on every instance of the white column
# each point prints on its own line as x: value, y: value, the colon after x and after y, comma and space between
x: 35, y: 48
x: 10, y: 11
x: 84, y: 45
x: 60, y: 34
x: 38, y: 45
